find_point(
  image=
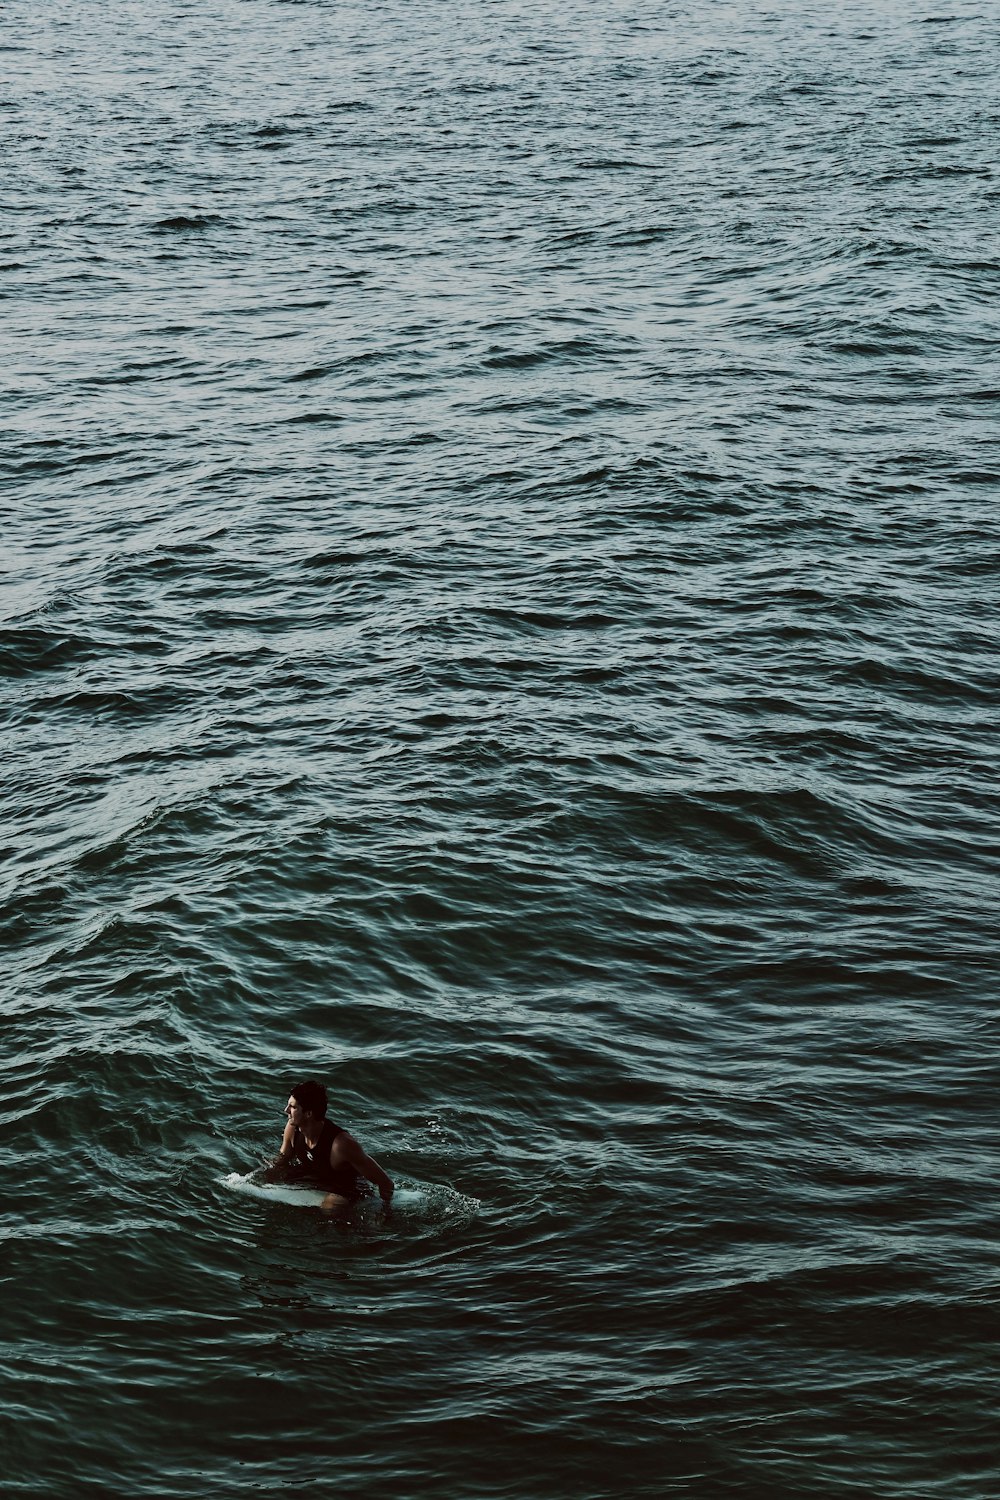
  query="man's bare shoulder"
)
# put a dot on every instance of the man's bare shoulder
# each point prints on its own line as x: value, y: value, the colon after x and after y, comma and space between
x: 344, y: 1145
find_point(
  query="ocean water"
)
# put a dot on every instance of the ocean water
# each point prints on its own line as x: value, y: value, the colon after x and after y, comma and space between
x: 501, y: 543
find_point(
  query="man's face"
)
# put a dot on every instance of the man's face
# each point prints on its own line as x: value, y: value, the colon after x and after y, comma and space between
x: 294, y: 1111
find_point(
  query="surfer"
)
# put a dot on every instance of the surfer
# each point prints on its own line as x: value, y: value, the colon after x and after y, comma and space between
x: 314, y: 1150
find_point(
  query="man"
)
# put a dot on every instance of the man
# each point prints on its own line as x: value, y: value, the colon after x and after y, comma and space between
x: 315, y: 1150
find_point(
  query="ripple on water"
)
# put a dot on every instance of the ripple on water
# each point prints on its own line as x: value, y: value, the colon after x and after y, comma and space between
x: 501, y: 561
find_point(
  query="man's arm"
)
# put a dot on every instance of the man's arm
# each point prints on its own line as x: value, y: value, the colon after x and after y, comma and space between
x: 346, y: 1148
x: 276, y: 1167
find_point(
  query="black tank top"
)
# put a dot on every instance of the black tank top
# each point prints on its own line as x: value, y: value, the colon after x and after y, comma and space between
x: 312, y: 1164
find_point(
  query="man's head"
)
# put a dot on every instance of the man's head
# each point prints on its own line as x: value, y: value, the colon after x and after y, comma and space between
x: 311, y: 1098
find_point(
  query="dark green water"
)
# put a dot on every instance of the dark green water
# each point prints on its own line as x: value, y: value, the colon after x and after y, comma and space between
x: 500, y: 514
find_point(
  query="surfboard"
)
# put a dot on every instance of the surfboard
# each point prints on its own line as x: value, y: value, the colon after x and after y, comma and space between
x: 305, y: 1197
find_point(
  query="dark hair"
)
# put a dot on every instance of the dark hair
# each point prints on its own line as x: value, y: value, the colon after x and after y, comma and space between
x: 310, y: 1097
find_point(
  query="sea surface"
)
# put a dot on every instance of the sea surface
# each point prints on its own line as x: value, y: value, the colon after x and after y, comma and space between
x: 501, y: 542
